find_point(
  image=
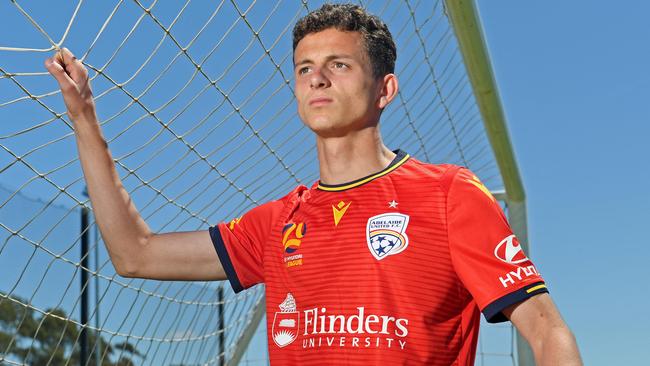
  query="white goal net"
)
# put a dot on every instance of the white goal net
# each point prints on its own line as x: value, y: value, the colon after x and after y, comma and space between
x: 196, y: 101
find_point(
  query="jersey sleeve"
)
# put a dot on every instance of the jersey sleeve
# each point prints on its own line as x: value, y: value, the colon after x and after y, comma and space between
x: 485, y: 253
x: 240, y: 244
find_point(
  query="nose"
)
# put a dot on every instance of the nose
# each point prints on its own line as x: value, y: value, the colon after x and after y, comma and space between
x: 318, y: 80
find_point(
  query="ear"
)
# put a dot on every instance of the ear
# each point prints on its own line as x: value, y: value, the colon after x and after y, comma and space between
x: 388, y: 91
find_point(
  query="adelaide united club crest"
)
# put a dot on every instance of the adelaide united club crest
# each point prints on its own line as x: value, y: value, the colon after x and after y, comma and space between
x: 386, y: 234
x: 286, y: 323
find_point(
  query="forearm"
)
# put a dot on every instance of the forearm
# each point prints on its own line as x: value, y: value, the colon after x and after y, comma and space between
x: 557, y: 346
x: 124, y: 231
x: 133, y: 248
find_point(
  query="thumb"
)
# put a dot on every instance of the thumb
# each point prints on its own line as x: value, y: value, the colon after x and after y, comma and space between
x: 55, y: 67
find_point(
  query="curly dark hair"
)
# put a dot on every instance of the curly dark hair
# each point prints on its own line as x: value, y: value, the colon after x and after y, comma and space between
x: 378, y: 41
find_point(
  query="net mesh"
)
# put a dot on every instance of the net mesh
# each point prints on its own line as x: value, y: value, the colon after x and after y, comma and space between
x: 196, y: 102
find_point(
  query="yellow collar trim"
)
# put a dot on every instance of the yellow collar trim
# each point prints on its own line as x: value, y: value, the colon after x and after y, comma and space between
x: 366, y: 179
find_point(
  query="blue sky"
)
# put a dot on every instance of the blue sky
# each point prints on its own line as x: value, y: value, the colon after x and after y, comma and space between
x: 574, y: 82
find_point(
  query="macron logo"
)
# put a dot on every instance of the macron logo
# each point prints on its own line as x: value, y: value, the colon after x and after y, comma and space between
x: 339, y: 211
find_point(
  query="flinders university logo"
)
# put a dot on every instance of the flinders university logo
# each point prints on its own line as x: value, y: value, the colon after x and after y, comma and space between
x: 286, y: 322
x: 386, y: 234
x: 359, y: 328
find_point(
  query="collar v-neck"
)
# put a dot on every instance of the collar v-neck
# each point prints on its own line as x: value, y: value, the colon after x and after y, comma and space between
x: 400, y: 158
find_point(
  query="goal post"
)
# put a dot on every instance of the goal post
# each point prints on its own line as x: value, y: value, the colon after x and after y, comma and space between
x: 465, y: 20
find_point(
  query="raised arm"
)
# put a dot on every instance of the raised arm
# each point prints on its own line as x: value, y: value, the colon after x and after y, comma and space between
x: 134, y: 249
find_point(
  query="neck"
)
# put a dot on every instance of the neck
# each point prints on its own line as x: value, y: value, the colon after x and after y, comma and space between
x: 353, y: 156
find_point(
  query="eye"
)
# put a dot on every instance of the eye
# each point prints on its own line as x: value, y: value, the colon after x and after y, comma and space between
x: 340, y: 65
x: 303, y: 70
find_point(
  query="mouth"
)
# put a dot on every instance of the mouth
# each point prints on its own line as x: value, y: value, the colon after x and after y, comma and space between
x: 320, y: 101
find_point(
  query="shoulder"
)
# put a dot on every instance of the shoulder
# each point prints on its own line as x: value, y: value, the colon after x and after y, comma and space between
x: 272, y: 209
x: 439, y: 174
x: 454, y: 180
x: 295, y: 194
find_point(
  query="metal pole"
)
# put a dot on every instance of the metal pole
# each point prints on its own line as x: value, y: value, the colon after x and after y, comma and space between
x: 249, y: 331
x: 98, y: 335
x: 469, y: 33
x: 83, y: 263
x: 222, y: 327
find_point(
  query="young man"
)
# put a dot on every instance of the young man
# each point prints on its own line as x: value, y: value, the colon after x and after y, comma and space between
x: 384, y: 260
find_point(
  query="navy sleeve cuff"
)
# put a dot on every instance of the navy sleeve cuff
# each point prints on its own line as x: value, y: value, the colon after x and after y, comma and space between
x: 224, y: 258
x: 493, y: 312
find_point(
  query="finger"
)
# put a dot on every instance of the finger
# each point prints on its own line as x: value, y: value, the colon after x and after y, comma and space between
x: 58, y: 56
x: 55, y: 68
x: 74, y: 67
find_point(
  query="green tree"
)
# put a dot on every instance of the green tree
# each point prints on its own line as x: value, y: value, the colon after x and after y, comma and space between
x: 51, y: 338
x: 16, y: 323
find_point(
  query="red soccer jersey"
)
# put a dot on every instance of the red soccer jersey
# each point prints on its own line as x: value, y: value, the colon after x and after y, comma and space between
x: 389, y: 269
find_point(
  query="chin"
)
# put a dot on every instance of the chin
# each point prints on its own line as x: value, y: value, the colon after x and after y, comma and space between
x: 316, y: 123
x: 324, y: 127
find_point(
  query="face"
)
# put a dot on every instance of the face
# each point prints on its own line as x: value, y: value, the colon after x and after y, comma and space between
x: 335, y: 88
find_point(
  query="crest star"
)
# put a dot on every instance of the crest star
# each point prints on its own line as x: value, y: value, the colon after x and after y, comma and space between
x: 393, y: 204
